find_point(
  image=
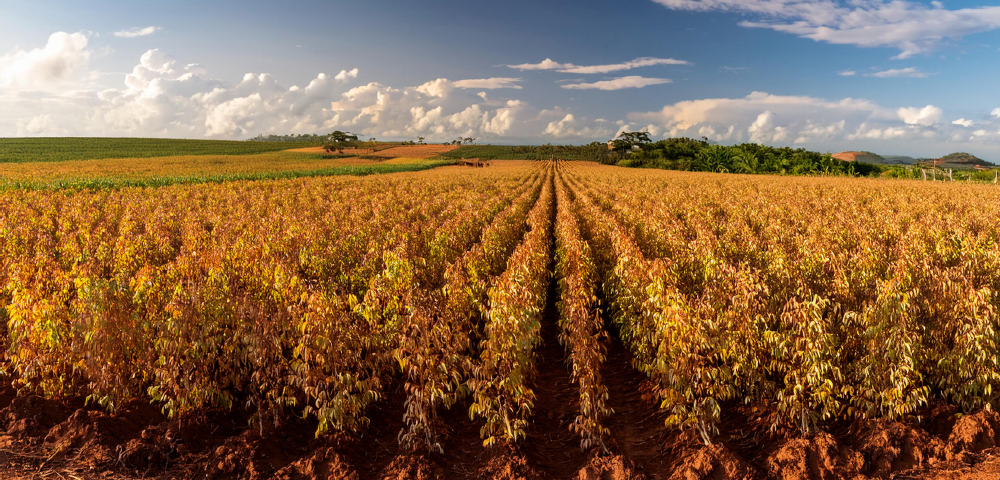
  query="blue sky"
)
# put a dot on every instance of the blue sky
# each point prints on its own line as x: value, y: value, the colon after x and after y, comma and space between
x: 828, y: 75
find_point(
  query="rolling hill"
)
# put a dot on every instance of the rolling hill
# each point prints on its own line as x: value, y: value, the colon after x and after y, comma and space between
x: 857, y: 156
x: 962, y: 158
x: 957, y: 160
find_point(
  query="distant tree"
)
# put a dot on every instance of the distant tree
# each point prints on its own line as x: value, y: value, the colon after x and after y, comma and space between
x: 343, y: 137
x: 420, y: 140
x: 468, y: 140
x: 626, y: 142
x: 338, y: 141
x: 635, y: 138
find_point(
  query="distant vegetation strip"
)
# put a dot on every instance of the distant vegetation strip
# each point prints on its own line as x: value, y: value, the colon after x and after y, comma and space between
x: 162, y: 181
x: 702, y: 156
x: 636, y: 150
x: 54, y: 149
x: 596, y: 151
x: 680, y: 154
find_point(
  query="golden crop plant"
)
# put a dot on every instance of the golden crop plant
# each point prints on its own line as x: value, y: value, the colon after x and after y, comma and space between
x: 814, y: 300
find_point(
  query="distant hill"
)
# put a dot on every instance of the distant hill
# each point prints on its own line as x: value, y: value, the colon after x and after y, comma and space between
x: 899, y: 160
x: 963, y: 158
x: 958, y: 161
x: 864, y: 157
x: 874, y: 158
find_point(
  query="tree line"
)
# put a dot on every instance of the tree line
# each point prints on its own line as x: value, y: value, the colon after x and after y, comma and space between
x: 634, y: 149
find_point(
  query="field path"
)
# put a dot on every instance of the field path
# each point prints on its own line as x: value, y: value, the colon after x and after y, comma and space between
x: 551, y: 447
x: 637, y: 429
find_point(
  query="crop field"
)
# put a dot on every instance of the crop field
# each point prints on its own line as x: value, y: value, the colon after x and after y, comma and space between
x: 99, y: 164
x: 168, y: 170
x: 14, y: 150
x: 532, y: 319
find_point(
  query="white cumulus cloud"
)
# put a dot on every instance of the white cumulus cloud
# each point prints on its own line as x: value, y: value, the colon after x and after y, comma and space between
x: 868, y: 132
x: 136, y: 32
x: 346, y: 75
x: 49, y: 90
x: 684, y: 118
x: 569, y: 126
x: 764, y: 130
x: 909, y: 72
x: 928, y: 115
x: 436, y: 88
x: 617, y: 67
x: 617, y: 83
x: 164, y: 97
x: 820, y: 124
x: 489, y: 83
x: 61, y: 57
x: 549, y: 64
x: 38, y: 125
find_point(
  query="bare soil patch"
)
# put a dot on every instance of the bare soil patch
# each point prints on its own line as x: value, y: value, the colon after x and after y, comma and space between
x: 550, y: 445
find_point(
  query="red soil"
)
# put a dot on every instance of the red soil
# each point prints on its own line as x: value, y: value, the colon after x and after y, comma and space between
x: 40, y: 437
x: 846, y: 156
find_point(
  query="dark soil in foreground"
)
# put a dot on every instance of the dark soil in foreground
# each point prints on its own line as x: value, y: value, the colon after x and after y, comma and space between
x: 63, y: 438
x: 41, y: 438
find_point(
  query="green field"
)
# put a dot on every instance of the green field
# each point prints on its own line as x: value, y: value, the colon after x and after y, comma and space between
x: 112, y: 182
x: 55, y: 149
x: 98, y: 163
